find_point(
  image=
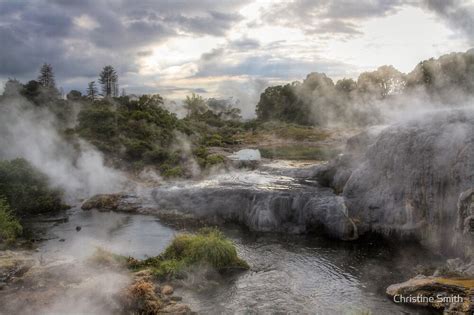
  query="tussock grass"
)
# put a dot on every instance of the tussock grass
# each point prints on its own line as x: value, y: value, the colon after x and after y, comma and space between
x: 208, y: 247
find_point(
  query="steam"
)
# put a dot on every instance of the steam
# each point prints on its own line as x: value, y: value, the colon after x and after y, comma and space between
x: 31, y: 132
x: 247, y: 94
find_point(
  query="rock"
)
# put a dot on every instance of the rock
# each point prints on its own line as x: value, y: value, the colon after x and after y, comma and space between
x: 454, y: 264
x: 176, y: 309
x: 62, y: 240
x: 114, y: 202
x: 167, y: 289
x: 290, y: 209
x: 102, y: 201
x: 78, y: 228
x: 448, y: 294
x: 414, y: 181
x: 176, y: 298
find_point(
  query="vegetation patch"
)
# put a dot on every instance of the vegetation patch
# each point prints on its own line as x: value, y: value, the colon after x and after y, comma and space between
x: 10, y: 227
x: 298, y: 152
x: 208, y: 247
x: 141, y: 298
x: 26, y: 189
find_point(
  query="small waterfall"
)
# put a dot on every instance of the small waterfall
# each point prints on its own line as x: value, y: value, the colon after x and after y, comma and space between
x: 263, y: 203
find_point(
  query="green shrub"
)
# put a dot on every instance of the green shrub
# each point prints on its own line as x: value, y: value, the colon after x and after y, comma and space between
x: 173, y: 172
x: 26, y: 189
x: 10, y: 227
x: 214, y: 159
x: 208, y: 247
x: 214, y: 141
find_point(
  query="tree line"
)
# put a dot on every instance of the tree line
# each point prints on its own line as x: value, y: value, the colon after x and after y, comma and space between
x: 317, y: 100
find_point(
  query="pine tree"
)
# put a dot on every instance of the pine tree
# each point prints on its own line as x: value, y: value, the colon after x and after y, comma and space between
x: 109, y: 80
x: 46, y: 77
x: 92, y: 90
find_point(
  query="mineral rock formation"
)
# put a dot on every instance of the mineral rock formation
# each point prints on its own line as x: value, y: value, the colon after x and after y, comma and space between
x: 415, y: 180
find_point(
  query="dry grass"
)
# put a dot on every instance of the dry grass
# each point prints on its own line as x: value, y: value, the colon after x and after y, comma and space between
x: 141, y: 298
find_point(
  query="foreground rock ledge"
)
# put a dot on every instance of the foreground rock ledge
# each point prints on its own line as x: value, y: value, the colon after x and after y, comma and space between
x: 452, y: 295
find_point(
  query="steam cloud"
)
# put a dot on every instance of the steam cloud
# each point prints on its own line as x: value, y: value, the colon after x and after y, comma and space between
x: 31, y: 132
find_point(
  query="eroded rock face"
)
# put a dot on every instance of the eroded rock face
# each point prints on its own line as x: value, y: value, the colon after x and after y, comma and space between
x: 290, y: 211
x: 411, y: 177
x: 454, y: 296
x: 120, y: 202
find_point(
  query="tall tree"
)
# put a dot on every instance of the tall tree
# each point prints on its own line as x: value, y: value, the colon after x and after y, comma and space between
x: 108, y: 78
x: 92, y: 90
x: 46, y: 76
x: 195, y: 105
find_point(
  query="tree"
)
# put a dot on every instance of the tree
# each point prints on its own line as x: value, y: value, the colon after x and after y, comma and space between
x: 46, y: 77
x: 31, y: 90
x: 108, y: 78
x: 74, y: 95
x: 195, y: 105
x: 384, y: 81
x: 92, y: 90
x: 224, y: 108
x: 12, y: 88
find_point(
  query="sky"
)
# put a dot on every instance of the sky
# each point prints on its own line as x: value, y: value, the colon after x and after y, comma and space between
x: 224, y: 48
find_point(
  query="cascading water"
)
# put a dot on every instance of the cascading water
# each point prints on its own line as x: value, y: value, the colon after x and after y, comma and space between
x: 262, y: 202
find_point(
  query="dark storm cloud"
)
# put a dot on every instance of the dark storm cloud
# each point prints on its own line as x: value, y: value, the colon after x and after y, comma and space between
x: 458, y: 14
x: 329, y: 17
x: 116, y: 32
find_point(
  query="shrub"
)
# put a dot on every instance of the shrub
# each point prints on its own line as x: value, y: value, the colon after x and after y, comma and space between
x: 214, y: 141
x: 208, y: 247
x: 172, y: 172
x: 140, y: 298
x: 26, y: 189
x: 214, y: 159
x: 10, y: 228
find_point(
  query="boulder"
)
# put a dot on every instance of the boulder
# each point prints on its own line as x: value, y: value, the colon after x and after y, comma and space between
x: 113, y: 202
x: 102, y: 201
x: 414, y: 180
x: 453, y: 296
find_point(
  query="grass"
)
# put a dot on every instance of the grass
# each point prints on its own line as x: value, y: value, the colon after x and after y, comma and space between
x: 266, y: 132
x: 141, y: 298
x: 298, y: 152
x: 207, y: 247
x: 10, y: 227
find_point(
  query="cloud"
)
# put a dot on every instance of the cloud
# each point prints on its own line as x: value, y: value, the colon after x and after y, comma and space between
x: 328, y: 17
x: 78, y: 38
x: 457, y: 13
x: 222, y: 62
x: 244, y: 43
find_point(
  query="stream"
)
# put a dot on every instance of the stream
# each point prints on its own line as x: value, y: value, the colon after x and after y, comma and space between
x: 303, y: 274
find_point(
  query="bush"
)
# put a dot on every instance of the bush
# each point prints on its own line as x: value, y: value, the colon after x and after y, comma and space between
x: 26, y: 189
x: 208, y: 247
x: 10, y: 228
x: 214, y: 159
x: 172, y: 172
